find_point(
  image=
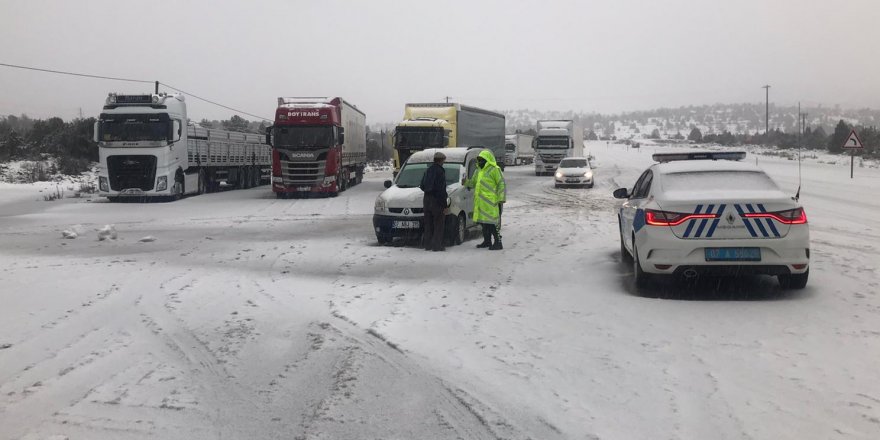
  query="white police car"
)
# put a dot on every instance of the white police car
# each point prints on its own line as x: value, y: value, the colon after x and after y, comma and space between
x: 709, y: 213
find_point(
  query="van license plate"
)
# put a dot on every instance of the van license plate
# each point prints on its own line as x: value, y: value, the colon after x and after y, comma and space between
x: 733, y: 254
x: 405, y: 224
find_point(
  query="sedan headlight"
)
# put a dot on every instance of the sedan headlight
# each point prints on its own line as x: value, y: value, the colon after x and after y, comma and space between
x: 162, y: 183
x: 103, y: 184
x: 559, y: 174
x: 588, y: 174
x: 380, y: 205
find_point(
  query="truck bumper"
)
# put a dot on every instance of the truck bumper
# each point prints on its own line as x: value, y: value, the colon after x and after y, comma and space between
x: 282, y: 188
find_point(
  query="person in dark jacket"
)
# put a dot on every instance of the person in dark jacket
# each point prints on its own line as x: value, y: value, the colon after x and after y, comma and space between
x: 434, y: 186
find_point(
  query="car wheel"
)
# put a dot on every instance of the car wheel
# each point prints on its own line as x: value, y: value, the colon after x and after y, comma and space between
x: 382, y: 239
x: 794, y: 281
x: 625, y: 257
x: 461, y: 228
x: 642, y: 278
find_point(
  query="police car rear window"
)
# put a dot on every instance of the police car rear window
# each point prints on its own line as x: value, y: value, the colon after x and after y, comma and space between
x: 718, y: 180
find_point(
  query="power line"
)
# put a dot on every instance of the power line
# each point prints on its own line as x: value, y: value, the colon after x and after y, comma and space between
x: 212, y: 102
x: 86, y: 75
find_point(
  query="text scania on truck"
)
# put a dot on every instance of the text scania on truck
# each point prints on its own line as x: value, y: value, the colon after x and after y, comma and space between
x: 319, y: 146
x: 147, y: 149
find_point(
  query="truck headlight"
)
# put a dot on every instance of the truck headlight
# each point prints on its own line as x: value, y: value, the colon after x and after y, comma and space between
x: 103, y: 184
x: 380, y: 205
x: 277, y: 179
x: 162, y: 183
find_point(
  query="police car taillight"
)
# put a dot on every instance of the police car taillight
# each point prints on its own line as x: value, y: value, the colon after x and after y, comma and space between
x: 654, y: 217
x: 795, y: 216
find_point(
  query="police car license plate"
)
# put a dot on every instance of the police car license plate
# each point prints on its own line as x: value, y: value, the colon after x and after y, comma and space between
x: 733, y: 254
x: 404, y: 224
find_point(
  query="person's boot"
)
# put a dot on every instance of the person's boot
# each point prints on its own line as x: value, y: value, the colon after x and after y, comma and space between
x: 497, y: 236
x: 487, y: 239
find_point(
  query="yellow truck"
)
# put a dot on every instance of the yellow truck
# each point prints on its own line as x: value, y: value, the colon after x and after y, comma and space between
x: 447, y: 125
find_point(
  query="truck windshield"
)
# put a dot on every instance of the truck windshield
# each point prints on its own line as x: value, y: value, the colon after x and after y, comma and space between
x: 305, y: 136
x: 408, y: 138
x: 510, y: 148
x: 411, y: 174
x: 553, y: 142
x: 135, y: 128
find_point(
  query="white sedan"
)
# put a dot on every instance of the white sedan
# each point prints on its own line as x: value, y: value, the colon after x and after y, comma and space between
x: 708, y: 213
x: 574, y: 171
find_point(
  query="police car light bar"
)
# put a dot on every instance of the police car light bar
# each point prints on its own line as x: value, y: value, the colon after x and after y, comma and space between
x: 702, y: 155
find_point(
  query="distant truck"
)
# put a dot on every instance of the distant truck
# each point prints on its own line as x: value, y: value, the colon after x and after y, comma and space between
x: 519, y: 149
x: 447, y: 125
x: 319, y: 146
x: 556, y: 140
x: 147, y: 149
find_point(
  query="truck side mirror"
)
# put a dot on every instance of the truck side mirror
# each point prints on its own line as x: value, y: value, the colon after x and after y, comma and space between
x: 621, y: 193
x: 269, y: 134
x: 341, y: 135
x: 96, y: 136
x: 175, y: 131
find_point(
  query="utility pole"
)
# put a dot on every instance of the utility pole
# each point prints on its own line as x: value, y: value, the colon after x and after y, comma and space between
x: 767, y: 110
x: 448, y: 98
x: 157, y: 87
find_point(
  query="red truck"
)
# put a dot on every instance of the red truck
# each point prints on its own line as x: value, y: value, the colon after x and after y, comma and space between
x: 319, y: 146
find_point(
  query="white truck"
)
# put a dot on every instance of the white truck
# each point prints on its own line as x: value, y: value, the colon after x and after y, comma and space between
x: 556, y: 139
x: 148, y: 149
x: 519, y: 149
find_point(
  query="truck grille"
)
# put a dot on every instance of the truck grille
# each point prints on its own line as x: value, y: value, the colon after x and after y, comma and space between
x: 552, y: 157
x: 302, y: 172
x: 128, y: 172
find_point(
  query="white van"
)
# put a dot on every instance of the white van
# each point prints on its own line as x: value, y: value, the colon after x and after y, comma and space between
x: 399, y: 210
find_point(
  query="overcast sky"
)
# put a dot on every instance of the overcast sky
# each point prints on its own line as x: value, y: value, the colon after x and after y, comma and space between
x: 604, y: 56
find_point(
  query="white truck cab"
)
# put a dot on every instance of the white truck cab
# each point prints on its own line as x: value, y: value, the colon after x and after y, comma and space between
x: 399, y: 210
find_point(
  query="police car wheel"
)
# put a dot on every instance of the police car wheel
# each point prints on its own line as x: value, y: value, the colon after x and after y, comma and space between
x: 642, y: 278
x: 625, y: 257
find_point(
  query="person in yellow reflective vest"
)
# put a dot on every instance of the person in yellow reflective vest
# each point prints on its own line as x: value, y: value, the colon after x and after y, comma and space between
x: 490, y: 193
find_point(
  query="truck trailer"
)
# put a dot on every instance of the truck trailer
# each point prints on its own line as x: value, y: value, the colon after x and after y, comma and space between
x: 319, y: 146
x: 147, y: 149
x: 519, y: 149
x: 447, y: 125
x: 556, y: 140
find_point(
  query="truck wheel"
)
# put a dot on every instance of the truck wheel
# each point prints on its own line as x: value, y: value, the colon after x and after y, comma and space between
x: 203, y: 184
x: 179, y: 185
x: 258, y: 176
x: 239, y: 178
x: 794, y: 281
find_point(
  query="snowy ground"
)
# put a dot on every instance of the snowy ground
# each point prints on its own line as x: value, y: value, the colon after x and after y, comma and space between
x: 251, y: 317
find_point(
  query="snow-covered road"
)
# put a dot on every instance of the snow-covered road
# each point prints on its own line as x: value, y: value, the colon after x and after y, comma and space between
x: 251, y: 317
